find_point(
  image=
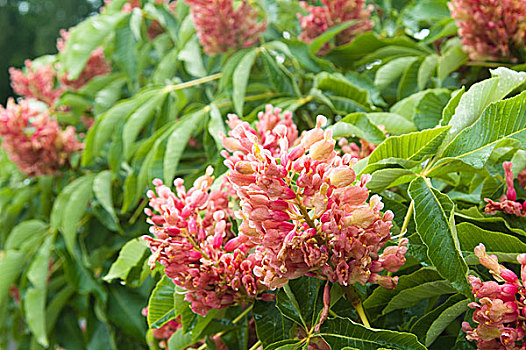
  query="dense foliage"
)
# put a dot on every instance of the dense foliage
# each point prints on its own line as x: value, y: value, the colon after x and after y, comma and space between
x: 272, y: 174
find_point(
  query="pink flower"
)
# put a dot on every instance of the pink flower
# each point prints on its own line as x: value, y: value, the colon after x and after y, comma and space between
x: 33, y: 140
x: 96, y: 65
x: 332, y: 13
x: 490, y: 29
x: 38, y: 82
x: 220, y: 27
x: 507, y: 203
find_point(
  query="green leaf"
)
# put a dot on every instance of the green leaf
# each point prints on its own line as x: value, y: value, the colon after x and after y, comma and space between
x: 414, y: 146
x: 503, y: 245
x: 109, y: 122
x: 161, y: 303
x: 34, y: 308
x: 444, y: 319
x: 125, y: 43
x: 56, y: 305
x: 428, y: 111
x: 363, y: 45
x: 177, y: 142
x: 342, y: 332
x: 451, y: 106
x: 271, y: 326
x: 386, y: 178
x: 301, y: 301
x: 426, y: 70
x: 480, y: 95
x: 77, y: 197
x: 130, y: 256
x: 85, y: 38
x: 519, y: 162
x: 391, y: 71
x: 317, y: 43
x: 124, y: 309
x: 216, y: 127
x: 500, y: 121
x: 338, y: 85
x: 11, y: 265
x: 450, y: 61
x: 35, y: 298
x: 179, y: 340
x: 409, y: 82
x: 504, y: 223
x: 191, y: 56
x: 26, y: 235
x: 394, y: 124
x: 281, y: 78
x: 411, y: 296
x: 139, y: 118
x: 357, y: 124
x: 103, y: 192
x: 380, y: 297
x: 436, y: 227
x: 240, y: 80
x: 437, y: 319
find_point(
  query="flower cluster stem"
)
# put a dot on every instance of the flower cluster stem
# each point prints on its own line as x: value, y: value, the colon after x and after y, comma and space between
x: 354, y: 299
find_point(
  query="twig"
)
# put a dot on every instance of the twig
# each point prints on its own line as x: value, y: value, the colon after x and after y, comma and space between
x: 195, y: 82
x: 408, y: 215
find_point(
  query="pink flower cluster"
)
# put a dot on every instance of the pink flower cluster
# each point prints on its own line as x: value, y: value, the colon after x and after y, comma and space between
x: 303, y: 211
x: 38, y: 82
x: 96, y: 65
x: 332, y: 13
x: 499, y: 310
x: 508, y: 203
x: 220, y: 27
x: 492, y: 29
x: 33, y: 140
x: 194, y: 241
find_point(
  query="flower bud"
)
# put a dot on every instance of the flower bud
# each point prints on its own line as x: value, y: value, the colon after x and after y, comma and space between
x: 342, y: 176
x: 322, y: 149
x: 508, y: 275
x: 508, y: 174
x: 489, y: 262
x: 244, y: 168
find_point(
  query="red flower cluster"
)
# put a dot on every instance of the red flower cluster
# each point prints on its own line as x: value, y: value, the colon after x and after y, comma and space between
x: 334, y: 12
x: 193, y: 240
x: 96, y: 65
x: 508, y: 203
x: 303, y: 212
x: 499, y: 310
x: 491, y: 29
x: 38, y: 82
x: 33, y: 140
x: 220, y: 27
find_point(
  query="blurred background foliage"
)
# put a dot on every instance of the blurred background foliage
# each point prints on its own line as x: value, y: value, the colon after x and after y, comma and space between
x: 30, y: 28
